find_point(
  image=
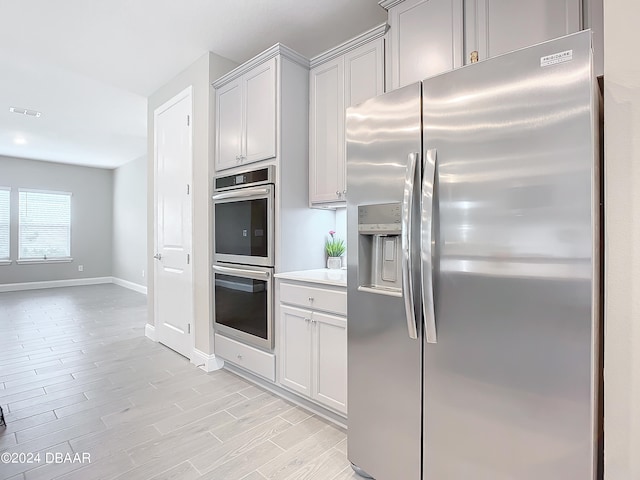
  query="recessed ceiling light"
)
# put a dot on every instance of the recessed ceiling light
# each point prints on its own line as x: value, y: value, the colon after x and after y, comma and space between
x: 25, y: 111
x: 20, y: 140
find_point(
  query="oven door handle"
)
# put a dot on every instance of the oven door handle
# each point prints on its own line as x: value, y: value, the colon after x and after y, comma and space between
x: 243, y: 193
x: 241, y: 272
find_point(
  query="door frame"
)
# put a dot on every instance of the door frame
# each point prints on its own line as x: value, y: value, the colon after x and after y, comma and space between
x: 186, y: 93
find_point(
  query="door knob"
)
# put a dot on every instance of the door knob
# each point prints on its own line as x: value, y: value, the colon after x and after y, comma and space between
x: 158, y: 256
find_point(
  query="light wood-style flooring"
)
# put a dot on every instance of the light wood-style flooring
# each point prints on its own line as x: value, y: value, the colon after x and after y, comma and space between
x: 77, y: 375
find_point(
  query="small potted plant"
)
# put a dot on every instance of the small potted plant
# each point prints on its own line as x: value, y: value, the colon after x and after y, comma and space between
x: 335, y: 249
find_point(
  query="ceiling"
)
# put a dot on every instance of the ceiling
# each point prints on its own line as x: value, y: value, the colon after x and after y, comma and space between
x: 89, y: 65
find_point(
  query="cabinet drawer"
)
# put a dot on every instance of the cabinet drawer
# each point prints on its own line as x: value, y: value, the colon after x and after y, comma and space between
x: 252, y: 359
x: 334, y: 301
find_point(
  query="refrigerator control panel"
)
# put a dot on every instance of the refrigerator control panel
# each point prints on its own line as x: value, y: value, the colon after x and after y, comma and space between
x: 380, y: 218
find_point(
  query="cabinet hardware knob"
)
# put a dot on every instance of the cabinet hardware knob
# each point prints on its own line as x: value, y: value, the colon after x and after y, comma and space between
x: 344, y: 192
x: 337, y: 193
x: 158, y: 256
x: 310, y: 299
x: 239, y: 357
x: 307, y: 320
x: 473, y: 58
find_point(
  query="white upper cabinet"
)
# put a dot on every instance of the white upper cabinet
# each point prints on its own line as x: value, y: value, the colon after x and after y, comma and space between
x: 326, y: 125
x: 425, y: 39
x: 428, y: 37
x: 259, y: 88
x: 506, y: 25
x: 342, y: 77
x: 364, y: 72
x: 228, y: 124
x: 246, y: 117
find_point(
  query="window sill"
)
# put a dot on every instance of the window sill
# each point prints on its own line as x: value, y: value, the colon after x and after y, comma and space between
x: 28, y: 261
x: 6, y: 262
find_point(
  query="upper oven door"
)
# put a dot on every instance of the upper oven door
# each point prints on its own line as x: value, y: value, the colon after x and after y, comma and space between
x: 243, y: 226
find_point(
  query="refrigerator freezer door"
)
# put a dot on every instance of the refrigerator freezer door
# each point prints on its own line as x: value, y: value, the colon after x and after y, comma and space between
x: 384, y: 363
x: 510, y: 387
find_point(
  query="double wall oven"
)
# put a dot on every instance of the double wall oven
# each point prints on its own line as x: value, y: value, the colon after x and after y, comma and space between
x: 243, y: 256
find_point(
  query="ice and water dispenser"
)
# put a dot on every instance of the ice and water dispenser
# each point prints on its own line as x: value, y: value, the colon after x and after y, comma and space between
x: 380, y: 248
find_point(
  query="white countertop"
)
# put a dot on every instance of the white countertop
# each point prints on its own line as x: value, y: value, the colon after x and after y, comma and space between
x: 337, y: 278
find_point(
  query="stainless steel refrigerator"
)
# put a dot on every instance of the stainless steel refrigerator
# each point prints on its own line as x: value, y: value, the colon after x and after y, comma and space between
x: 473, y: 272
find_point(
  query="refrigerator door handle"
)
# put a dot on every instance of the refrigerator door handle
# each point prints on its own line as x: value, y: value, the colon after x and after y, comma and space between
x: 407, y: 274
x: 426, y: 226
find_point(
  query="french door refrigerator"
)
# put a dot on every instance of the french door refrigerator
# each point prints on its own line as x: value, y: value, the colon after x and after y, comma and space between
x: 473, y: 272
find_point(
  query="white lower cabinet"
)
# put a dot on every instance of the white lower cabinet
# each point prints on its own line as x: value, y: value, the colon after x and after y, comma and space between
x: 313, y: 351
x: 330, y: 360
x: 295, y: 349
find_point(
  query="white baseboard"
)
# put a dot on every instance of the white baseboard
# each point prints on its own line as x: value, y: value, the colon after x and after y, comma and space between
x: 14, y: 287
x: 150, y: 332
x: 130, y: 285
x: 74, y: 282
x: 208, y: 363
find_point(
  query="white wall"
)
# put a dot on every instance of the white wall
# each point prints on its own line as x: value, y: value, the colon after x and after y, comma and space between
x: 91, y: 218
x: 341, y: 228
x: 622, y: 243
x: 130, y: 222
x: 199, y: 75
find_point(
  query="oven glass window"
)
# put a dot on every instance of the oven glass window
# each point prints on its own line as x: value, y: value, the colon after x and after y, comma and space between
x: 241, y: 228
x: 241, y: 304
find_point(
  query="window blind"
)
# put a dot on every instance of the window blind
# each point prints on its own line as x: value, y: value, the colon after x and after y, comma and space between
x: 44, y: 225
x: 5, y: 199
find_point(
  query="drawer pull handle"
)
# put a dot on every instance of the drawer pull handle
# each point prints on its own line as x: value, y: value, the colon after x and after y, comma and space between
x: 239, y: 357
x: 310, y: 299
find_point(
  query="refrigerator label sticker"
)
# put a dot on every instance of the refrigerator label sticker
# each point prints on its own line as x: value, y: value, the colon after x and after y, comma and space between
x: 556, y: 58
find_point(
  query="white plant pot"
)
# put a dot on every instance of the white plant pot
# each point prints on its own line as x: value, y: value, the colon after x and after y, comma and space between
x: 334, y: 263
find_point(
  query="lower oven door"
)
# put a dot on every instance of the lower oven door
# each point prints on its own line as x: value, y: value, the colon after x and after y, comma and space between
x: 243, y: 303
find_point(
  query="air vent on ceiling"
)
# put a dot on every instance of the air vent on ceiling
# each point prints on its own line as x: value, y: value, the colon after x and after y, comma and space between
x: 25, y: 111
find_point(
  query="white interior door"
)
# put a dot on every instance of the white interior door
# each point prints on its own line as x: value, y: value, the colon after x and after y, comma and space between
x: 173, y: 287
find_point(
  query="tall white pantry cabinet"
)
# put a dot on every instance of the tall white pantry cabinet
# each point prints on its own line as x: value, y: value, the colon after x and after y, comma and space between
x: 261, y: 119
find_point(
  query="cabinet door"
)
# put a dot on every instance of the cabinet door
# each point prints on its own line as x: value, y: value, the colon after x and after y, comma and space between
x: 228, y: 125
x: 295, y: 349
x: 259, y: 88
x: 425, y: 39
x: 364, y: 73
x: 363, y: 79
x: 326, y: 125
x: 507, y: 25
x: 330, y: 360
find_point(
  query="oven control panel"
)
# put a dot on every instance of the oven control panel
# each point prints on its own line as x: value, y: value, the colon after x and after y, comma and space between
x: 243, y: 179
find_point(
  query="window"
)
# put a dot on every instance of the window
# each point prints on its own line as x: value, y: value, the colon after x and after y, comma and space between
x: 5, y: 196
x: 44, y: 225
